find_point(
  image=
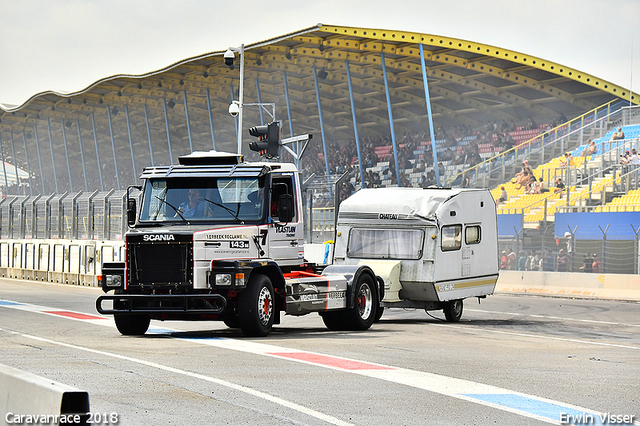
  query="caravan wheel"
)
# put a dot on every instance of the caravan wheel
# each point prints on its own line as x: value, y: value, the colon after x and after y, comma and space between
x: 453, y: 310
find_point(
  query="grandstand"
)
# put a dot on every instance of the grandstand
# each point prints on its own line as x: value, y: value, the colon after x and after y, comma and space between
x: 332, y: 81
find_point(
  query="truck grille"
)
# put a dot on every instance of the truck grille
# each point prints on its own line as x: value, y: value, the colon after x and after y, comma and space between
x: 153, y: 263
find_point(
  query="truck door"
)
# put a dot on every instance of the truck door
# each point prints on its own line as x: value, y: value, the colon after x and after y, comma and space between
x: 285, y: 239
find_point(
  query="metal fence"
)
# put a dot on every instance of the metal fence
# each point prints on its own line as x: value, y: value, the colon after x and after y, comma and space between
x: 85, y: 216
x: 611, y: 256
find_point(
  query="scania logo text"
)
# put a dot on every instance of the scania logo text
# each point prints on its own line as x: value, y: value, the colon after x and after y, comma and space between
x: 158, y: 237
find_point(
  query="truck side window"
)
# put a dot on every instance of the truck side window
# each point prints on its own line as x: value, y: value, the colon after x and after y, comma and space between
x: 282, y: 185
x: 472, y: 234
x: 451, y: 237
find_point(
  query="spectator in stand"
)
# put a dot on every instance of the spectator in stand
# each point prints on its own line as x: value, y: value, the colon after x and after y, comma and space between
x: 634, y: 157
x: 535, y: 262
x: 523, y: 175
x: 513, y: 264
x: 624, y: 158
x: 503, y: 195
x: 531, y: 125
x: 527, y: 264
x: 591, y: 148
x: 523, y: 181
x: 504, y: 260
x: 538, y: 187
x: 587, y: 264
x: 595, y: 266
x: 547, y: 263
x: 465, y: 182
x: 570, y: 250
x: 619, y: 135
x: 561, y: 262
x: 566, y: 161
x: 522, y: 260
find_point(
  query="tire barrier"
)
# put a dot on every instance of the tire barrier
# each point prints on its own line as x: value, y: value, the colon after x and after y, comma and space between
x: 24, y: 394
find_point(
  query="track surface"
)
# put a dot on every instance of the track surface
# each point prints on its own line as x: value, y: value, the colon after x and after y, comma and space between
x: 511, y: 360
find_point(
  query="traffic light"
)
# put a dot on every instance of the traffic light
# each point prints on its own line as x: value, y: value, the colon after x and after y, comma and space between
x: 268, y: 139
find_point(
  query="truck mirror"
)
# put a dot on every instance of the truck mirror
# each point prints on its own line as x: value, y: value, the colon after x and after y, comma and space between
x: 131, y: 211
x: 285, y: 207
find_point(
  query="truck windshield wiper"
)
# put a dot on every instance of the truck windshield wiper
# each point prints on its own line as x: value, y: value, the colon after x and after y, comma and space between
x: 174, y: 209
x: 231, y: 212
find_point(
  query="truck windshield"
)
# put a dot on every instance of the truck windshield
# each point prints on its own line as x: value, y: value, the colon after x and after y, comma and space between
x: 210, y: 199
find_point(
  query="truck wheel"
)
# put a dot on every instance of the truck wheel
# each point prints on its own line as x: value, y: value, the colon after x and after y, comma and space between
x: 232, y: 322
x: 132, y: 325
x: 334, y: 320
x: 256, y: 307
x: 453, y: 310
x: 363, y: 312
x: 379, y: 312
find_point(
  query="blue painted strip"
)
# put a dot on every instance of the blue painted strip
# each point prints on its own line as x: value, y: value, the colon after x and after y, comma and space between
x: 7, y: 303
x: 536, y: 407
x: 161, y: 331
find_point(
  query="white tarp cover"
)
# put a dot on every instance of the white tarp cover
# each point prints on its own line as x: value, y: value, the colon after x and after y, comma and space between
x: 410, y: 201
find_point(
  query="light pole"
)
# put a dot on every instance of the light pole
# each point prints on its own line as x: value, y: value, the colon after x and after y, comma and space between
x: 229, y: 57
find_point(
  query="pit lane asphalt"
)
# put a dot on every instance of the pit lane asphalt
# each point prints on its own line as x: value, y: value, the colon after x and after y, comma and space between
x: 580, y: 352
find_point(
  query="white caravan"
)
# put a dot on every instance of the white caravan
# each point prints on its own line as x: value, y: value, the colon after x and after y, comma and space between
x: 432, y: 247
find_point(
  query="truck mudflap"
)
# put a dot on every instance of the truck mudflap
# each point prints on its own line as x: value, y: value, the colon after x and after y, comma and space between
x: 196, y: 304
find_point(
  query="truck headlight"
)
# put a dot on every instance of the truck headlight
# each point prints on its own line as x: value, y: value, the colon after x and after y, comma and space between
x: 113, y: 280
x: 223, y: 279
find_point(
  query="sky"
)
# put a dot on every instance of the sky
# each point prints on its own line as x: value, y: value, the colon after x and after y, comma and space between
x: 66, y: 45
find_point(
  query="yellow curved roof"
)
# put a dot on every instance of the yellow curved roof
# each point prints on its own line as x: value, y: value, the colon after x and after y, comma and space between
x: 469, y: 83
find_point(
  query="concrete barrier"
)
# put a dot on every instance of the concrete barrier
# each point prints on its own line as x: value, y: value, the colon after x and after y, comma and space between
x: 570, y: 284
x: 26, y: 394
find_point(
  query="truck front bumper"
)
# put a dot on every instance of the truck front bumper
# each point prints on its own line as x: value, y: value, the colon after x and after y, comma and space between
x: 196, y: 304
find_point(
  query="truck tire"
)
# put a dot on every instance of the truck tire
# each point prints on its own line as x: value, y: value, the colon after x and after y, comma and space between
x: 232, y: 322
x: 334, y: 320
x: 132, y: 325
x: 453, y: 310
x: 256, y: 307
x: 362, y: 314
x: 379, y: 312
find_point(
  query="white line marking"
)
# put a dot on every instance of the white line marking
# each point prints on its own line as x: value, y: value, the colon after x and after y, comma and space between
x: 552, y: 317
x: 253, y: 392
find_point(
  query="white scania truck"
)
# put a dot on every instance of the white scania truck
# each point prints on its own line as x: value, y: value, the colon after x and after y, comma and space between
x: 216, y: 238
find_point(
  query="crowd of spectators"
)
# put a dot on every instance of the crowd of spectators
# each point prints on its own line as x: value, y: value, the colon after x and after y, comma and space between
x: 456, y: 146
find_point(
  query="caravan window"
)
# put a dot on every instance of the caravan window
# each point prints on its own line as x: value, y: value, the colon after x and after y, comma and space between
x: 451, y: 237
x: 472, y: 234
x: 385, y: 243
